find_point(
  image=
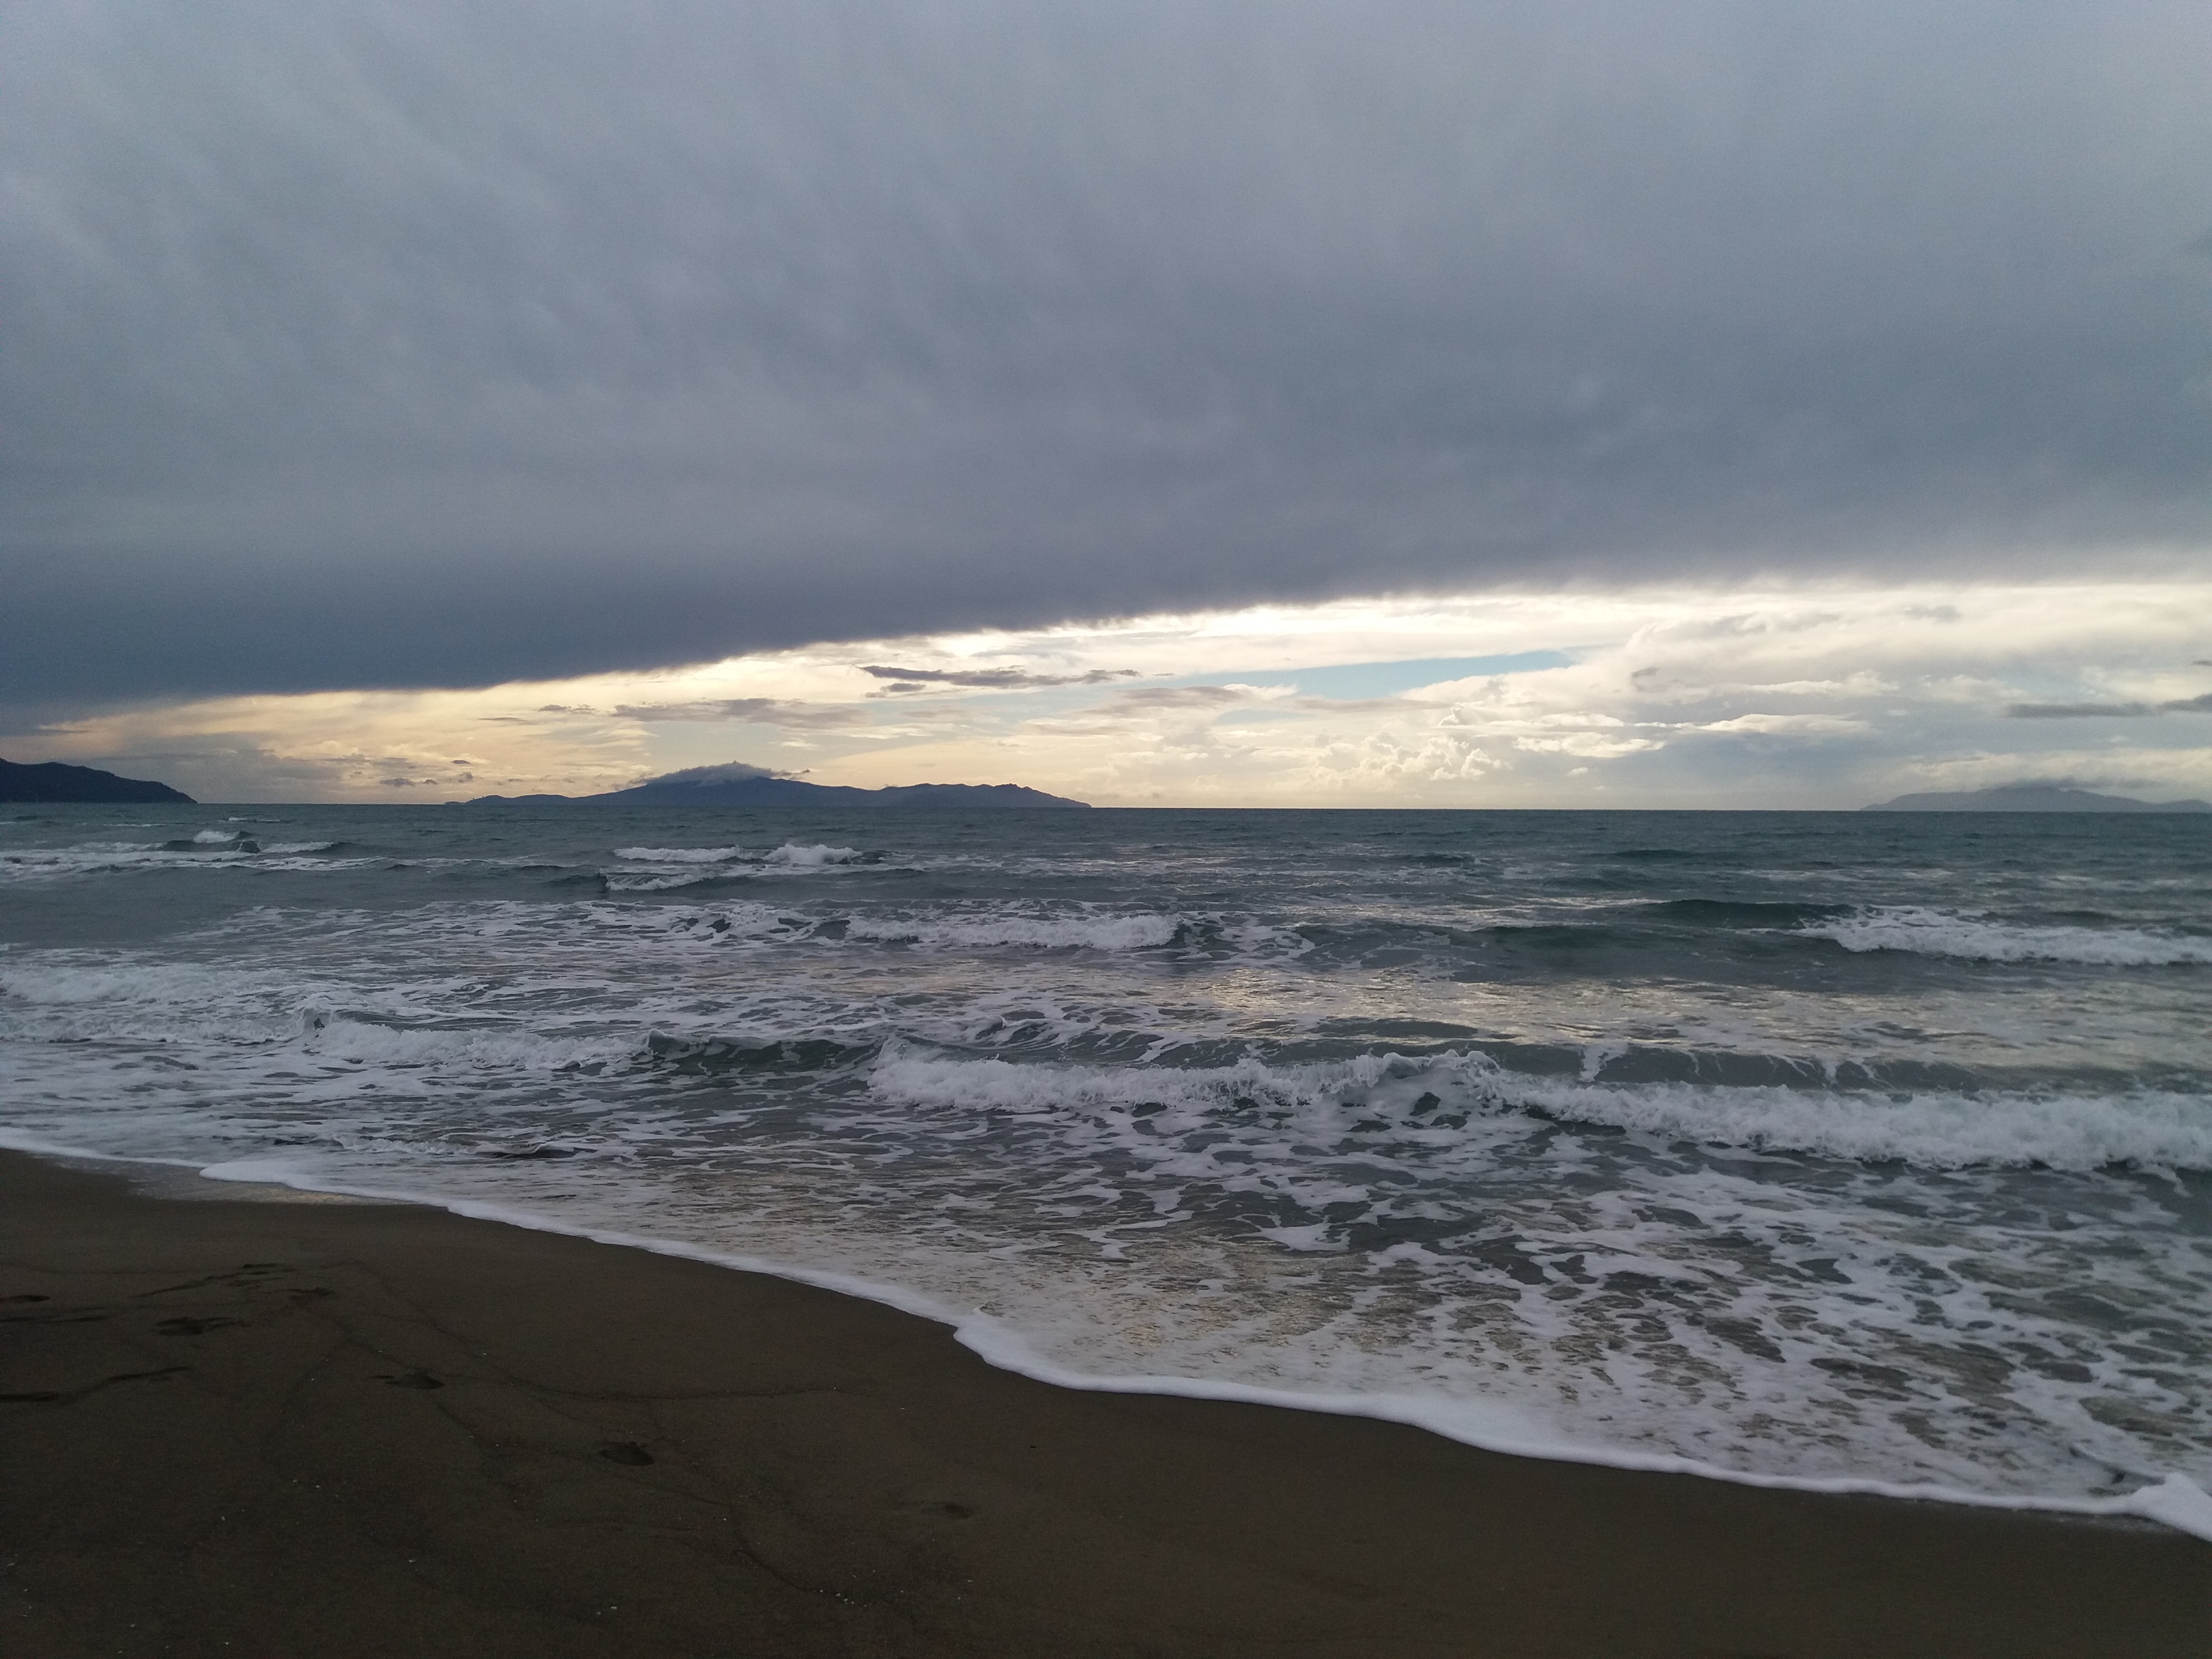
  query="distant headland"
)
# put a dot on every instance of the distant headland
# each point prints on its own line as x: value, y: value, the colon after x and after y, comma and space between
x: 2031, y: 798
x: 739, y: 785
x: 52, y: 782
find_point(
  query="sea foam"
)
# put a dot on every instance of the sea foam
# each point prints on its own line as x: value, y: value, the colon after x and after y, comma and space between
x: 1416, y: 1093
x: 1948, y: 934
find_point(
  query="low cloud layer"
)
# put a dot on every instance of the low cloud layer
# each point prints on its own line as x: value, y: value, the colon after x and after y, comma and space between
x: 988, y: 679
x: 1827, y: 697
x: 772, y: 711
x: 2074, y: 711
x: 396, y: 344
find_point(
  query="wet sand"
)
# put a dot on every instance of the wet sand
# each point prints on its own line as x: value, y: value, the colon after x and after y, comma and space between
x: 305, y: 1429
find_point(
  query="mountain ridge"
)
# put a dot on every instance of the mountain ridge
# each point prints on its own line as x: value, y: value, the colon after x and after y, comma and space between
x: 2030, y: 797
x: 745, y: 786
x: 58, y: 783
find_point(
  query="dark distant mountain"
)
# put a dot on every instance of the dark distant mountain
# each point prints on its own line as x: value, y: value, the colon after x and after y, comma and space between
x: 53, y: 781
x: 748, y: 785
x: 2031, y: 798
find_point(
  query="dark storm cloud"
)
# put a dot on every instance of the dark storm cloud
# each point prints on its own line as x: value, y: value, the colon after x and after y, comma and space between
x: 2074, y: 711
x: 452, y: 341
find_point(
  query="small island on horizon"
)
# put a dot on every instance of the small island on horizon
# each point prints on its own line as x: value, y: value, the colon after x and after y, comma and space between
x: 2031, y: 797
x: 736, y: 784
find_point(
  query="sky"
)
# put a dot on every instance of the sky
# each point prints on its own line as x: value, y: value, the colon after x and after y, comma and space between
x: 1212, y: 404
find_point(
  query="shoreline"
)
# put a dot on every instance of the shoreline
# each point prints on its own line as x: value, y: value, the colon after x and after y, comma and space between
x: 303, y: 1426
x: 2171, y: 1501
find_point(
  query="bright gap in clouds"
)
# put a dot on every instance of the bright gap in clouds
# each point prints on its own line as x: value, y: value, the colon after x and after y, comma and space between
x: 1826, y: 697
x: 1386, y: 679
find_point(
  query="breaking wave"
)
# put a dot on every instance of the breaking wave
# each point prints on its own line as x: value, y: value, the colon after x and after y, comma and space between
x: 1948, y: 934
x: 1338, y: 1101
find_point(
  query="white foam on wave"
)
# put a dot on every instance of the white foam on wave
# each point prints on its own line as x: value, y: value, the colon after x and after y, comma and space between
x: 480, y: 1048
x: 32, y: 864
x: 215, y: 1011
x: 730, y: 921
x: 1021, y: 924
x: 914, y: 1077
x: 222, y: 853
x: 215, y: 837
x: 1933, y: 933
x: 684, y: 867
x: 691, y: 875
x: 1937, y: 1131
x: 1929, y: 1130
x: 96, y: 996
x: 50, y: 1001
x: 1069, y: 930
x: 793, y: 856
x: 969, y: 926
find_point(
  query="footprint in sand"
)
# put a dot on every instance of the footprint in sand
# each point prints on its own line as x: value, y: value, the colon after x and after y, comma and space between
x: 186, y: 1326
x: 249, y: 1276
x: 50, y: 1396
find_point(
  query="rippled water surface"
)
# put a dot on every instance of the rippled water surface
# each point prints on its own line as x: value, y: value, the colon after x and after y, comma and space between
x: 1798, y: 1144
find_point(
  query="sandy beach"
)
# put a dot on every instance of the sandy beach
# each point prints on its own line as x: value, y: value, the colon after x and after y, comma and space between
x: 319, y: 1428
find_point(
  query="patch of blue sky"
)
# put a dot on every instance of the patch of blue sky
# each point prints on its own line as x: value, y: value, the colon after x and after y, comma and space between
x: 1348, y: 682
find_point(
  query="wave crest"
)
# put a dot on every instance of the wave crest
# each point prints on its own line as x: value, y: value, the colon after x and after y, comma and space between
x: 1976, y: 938
x: 1338, y: 1101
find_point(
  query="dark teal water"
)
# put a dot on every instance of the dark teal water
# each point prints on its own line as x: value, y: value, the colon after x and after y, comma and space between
x: 1802, y: 1145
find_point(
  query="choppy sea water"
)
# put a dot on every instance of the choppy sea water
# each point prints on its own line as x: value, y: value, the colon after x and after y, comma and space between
x: 1815, y: 1147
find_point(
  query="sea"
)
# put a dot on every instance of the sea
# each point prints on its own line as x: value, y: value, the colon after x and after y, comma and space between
x: 1852, y: 1150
